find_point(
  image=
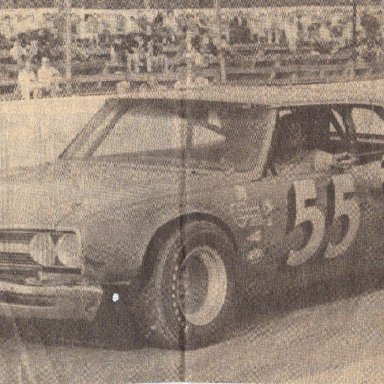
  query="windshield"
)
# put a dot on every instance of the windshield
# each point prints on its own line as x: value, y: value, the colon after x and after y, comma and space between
x: 160, y: 132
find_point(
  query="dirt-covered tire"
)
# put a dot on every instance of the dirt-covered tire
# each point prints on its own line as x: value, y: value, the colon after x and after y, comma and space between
x: 191, y: 294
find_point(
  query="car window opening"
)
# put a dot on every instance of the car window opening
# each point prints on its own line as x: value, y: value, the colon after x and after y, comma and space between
x: 331, y: 129
x: 214, y: 135
x: 300, y: 131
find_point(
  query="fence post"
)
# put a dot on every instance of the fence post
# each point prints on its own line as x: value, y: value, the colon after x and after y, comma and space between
x: 68, y: 44
x: 382, y: 37
x: 354, y: 22
x: 354, y: 30
x: 189, y: 74
x: 221, y: 53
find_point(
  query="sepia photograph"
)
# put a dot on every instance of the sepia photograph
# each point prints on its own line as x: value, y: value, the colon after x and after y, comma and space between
x: 192, y: 191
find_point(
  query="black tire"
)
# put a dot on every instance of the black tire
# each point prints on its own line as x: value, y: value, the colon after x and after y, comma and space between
x: 163, y: 316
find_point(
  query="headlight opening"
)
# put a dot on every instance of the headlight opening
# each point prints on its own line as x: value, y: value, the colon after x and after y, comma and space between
x: 52, y: 249
x: 68, y: 250
x: 42, y: 249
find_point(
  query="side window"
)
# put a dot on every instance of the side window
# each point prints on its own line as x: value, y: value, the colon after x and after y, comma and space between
x: 368, y: 121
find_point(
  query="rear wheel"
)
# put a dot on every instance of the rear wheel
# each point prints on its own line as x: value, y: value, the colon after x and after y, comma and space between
x: 190, y: 294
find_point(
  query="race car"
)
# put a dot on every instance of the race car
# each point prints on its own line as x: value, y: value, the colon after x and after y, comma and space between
x: 183, y: 201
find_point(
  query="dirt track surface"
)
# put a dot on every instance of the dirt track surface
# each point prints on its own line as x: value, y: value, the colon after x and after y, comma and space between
x: 332, y: 334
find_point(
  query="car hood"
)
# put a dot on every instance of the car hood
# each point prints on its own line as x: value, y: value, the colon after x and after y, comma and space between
x: 42, y: 196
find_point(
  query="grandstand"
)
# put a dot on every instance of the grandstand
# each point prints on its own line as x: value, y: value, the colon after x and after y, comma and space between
x: 99, y: 44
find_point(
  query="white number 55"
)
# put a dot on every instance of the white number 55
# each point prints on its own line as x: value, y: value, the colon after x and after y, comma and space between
x: 347, y: 211
x: 343, y: 207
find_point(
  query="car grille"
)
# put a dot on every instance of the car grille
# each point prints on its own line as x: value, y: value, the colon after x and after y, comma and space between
x: 16, y: 258
x: 14, y: 250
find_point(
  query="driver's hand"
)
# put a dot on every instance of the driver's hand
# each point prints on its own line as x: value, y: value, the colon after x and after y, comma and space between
x: 344, y: 160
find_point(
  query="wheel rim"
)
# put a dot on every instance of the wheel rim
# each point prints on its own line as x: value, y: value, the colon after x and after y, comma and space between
x: 201, y: 285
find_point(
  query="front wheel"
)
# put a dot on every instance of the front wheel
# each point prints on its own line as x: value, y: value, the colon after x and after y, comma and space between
x: 190, y: 294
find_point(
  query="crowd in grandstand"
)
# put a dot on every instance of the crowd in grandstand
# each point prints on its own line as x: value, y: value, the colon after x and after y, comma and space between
x: 162, y: 40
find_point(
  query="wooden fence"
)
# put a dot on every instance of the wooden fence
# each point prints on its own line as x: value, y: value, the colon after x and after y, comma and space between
x: 265, y: 71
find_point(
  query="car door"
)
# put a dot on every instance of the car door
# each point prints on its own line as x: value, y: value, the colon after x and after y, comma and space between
x: 311, y: 221
x: 367, y: 122
x: 292, y: 238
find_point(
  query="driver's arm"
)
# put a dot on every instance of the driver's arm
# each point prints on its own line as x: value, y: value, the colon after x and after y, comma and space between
x: 324, y: 161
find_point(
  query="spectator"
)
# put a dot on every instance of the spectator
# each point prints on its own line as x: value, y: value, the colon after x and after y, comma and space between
x: 224, y: 46
x: 158, y: 21
x: 27, y: 82
x: 18, y: 53
x: 171, y: 26
x: 113, y: 55
x: 204, y: 43
x: 255, y: 29
x: 149, y: 56
x: 7, y: 28
x: 197, y: 59
x: 132, y: 27
x: 142, y: 21
x: 48, y: 78
x: 33, y: 50
x: 118, y: 51
x: 139, y: 55
x: 239, y: 31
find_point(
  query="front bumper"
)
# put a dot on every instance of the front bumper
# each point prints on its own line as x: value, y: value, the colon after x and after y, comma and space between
x: 75, y: 302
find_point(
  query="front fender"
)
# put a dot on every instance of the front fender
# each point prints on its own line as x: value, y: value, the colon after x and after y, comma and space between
x: 115, y: 239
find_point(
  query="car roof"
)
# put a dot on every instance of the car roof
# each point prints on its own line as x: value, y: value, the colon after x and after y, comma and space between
x: 347, y: 92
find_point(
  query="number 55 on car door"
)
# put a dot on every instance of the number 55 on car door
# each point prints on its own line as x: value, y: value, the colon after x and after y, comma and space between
x: 343, y: 211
